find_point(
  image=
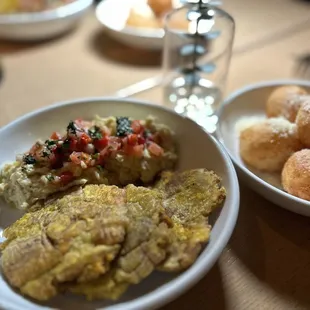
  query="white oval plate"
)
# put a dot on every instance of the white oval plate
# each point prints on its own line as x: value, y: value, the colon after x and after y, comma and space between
x: 242, y: 105
x: 203, y: 151
x: 42, y: 25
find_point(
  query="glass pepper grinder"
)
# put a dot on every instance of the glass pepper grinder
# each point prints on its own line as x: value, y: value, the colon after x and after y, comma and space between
x: 197, y: 51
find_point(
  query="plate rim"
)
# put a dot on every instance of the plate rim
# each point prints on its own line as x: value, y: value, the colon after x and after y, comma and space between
x: 191, y: 276
x: 228, y: 100
x: 61, y: 12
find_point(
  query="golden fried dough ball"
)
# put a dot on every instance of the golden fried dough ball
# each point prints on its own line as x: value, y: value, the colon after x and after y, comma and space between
x: 139, y: 18
x: 296, y: 175
x: 160, y: 7
x: 285, y: 101
x: 303, y: 122
x: 268, y: 144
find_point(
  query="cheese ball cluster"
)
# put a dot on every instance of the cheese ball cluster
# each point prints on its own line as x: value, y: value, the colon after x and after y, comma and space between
x: 268, y: 144
x: 281, y: 142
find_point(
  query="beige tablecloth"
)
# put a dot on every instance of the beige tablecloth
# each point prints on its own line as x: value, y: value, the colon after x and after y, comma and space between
x: 267, y: 262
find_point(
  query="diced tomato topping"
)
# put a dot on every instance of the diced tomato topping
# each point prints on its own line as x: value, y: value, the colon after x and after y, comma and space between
x: 155, y: 149
x: 82, y: 124
x: 114, y: 144
x: 56, y: 160
x: 85, y: 139
x: 66, y: 177
x: 73, y: 144
x: 35, y: 148
x: 101, y: 143
x: 102, y: 155
x: 134, y: 150
x: 86, y: 157
x: 89, y: 148
x: 136, y: 127
x: 141, y: 140
x: 76, y: 157
x: 132, y: 139
x: 55, y: 136
x: 79, y: 144
x: 138, y: 150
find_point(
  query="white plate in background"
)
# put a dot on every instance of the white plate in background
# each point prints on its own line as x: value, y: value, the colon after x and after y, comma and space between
x: 241, y: 107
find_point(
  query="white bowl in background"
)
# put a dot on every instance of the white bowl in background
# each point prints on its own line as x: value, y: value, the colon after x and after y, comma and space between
x: 42, y: 25
x: 197, y: 149
x: 138, y: 37
x: 242, y: 105
x: 145, y: 38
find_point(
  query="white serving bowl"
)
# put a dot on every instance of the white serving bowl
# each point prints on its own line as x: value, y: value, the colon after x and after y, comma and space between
x: 138, y: 37
x: 197, y: 150
x: 249, y: 102
x: 144, y: 38
x: 42, y: 25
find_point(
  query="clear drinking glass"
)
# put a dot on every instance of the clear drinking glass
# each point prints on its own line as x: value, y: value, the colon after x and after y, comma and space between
x: 197, y: 51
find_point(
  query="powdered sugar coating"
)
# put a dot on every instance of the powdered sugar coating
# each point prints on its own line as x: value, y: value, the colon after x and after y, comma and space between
x: 303, y: 123
x: 285, y: 102
x: 296, y: 174
x: 266, y: 145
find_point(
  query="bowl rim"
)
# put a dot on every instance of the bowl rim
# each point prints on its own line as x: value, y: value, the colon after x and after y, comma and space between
x: 232, y: 97
x: 61, y: 12
x: 174, y: 288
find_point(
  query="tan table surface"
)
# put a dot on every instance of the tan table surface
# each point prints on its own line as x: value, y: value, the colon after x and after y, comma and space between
x: 267, y: 262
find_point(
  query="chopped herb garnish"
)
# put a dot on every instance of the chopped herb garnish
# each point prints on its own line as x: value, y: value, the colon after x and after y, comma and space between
x: 100, y: 168
x: 50, y: 142
x: 96, y: 156
x: 29, y: 160
x: 95, y: 133
x: 66, y: 144
x: 71, y: 128
x: 123, y: 126
x: 147, y: 133
x: 46, y: 154
x: 50, y: 145
x: 50, y: 177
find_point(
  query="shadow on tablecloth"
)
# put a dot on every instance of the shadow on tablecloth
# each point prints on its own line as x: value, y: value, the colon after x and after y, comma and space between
x: 106, y: 47
x: 1, y: 73
x: 208, y: 294
x: 274, y: 245
x: 12, y: 47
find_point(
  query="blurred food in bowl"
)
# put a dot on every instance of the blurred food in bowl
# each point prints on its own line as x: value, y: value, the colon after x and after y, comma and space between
x: 142, y: 16
x: 151, y: 13
x: 21, y: 6
x: 160, y: 7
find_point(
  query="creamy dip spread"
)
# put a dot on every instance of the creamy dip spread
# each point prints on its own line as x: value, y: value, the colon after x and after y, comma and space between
x: 115, y: 151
